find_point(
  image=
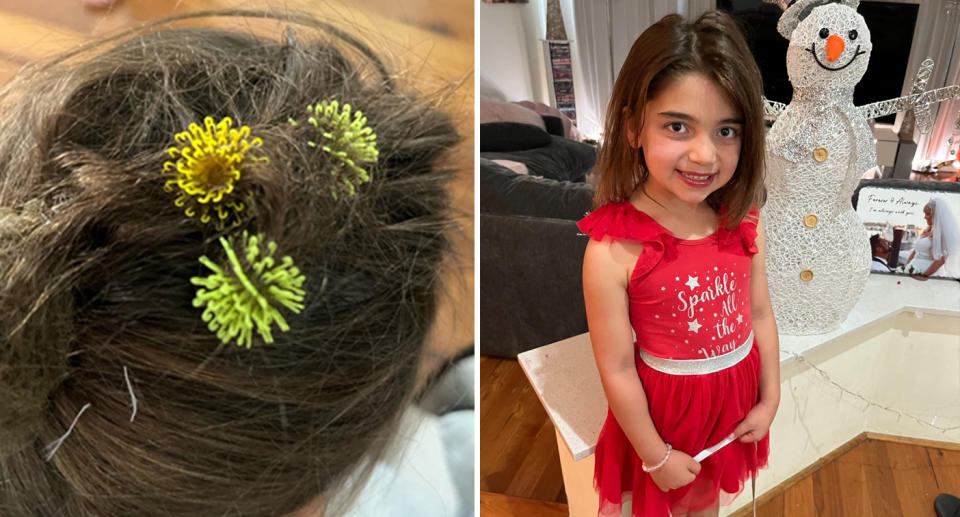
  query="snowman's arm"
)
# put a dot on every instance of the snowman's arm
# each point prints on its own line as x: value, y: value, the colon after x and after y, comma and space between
x: 882, y: 108
x: 772, y: 108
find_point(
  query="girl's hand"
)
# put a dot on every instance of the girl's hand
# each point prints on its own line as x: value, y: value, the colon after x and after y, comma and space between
x: 756, y: 424
x: 680, y: 470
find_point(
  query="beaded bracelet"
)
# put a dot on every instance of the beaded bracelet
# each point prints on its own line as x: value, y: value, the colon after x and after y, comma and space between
x: 658, y: 465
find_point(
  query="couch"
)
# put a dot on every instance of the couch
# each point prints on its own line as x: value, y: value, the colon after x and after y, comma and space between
x: 531, y: 256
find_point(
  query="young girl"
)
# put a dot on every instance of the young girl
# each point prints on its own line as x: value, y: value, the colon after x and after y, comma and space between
x: 220, y: 264
x: 677, y: 257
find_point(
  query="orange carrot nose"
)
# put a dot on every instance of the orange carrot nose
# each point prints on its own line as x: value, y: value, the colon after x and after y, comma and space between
x: 834, y: 47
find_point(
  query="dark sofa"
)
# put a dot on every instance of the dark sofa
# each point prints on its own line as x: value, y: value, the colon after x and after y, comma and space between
x: 531, y: 256
x: 531, y: 252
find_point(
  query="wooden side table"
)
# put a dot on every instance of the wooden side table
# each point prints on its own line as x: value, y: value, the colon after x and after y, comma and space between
x: 564, y: 375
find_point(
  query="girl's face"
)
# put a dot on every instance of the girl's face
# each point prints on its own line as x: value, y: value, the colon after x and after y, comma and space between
x: 928, y: 215
x: 690, y: 138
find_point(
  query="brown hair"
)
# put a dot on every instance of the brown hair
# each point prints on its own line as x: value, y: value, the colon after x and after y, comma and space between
x: 712, y: 45
x: 96, y: 261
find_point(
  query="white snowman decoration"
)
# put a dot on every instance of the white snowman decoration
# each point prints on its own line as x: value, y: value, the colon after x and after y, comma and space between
x: 818, y: 252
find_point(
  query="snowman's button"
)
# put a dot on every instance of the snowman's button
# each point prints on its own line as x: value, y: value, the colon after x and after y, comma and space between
x: 820, y: 154
x: 810, y: 220
x: 806, y: 275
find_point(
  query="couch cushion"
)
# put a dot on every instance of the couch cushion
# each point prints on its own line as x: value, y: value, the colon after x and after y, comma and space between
x: 511, y: 136
x: 531, y: 291
x: 562, y: 159
x: 570, y: 130
x: 517, y: 167
x: 499, y: 111
x: 506, y: 193
x: 553, y: 125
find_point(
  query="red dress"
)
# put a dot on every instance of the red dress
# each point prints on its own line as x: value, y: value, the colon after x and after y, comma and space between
x: 689, y: 299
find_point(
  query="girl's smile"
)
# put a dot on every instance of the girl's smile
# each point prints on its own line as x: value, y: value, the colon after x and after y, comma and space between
x: 697, y: 180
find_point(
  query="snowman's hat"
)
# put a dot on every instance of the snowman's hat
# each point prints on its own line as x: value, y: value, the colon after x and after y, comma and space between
x: 794, y: 11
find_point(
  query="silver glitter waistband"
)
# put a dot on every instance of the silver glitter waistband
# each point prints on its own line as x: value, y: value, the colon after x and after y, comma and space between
x: 698, y: 366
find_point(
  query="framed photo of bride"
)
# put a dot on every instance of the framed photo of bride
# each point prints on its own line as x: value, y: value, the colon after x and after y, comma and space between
x: 914, y: 227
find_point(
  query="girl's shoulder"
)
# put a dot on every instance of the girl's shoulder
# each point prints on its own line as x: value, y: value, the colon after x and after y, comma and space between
x: 625, y: 241
x: 620, y: 221
x: 751, y: 220
x: 744, y: 235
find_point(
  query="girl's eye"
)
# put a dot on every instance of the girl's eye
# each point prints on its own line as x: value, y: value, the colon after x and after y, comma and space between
x: 728, y: 132
x: 676, y: 127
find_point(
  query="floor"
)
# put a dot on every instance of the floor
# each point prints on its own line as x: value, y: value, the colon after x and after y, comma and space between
x: 518, y: 446
x: 520, y: 471
x: 429, y: 42
x: 499, y: 505
x: 877, y: 478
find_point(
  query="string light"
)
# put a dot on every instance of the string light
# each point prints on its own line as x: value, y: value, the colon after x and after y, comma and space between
x: 869, y: 403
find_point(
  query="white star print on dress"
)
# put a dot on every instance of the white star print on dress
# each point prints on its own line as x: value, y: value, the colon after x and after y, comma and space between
x: 708, y: 290
x: 739, y: 318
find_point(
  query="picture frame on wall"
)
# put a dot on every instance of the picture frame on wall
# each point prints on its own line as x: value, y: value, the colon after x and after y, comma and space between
x: 561, y: 77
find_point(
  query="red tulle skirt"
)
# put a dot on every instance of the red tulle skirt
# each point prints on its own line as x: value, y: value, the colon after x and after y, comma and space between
x: 692, y: 413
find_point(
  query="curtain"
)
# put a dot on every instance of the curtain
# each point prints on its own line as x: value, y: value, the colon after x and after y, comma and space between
x: 592, y: 43
x: 604, y: 32
x: 941, y: 42
x: 945, y: 51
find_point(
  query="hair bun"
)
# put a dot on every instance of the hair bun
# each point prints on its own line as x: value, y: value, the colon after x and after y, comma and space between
x: 33, y: 333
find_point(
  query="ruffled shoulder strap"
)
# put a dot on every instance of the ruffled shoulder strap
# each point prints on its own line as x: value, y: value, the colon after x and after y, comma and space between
x: 622, y: 221
x: 743, y: 238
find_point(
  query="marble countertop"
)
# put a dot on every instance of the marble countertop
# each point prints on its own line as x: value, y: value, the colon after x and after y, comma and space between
x: 565, y: 378
x: 883, y: 297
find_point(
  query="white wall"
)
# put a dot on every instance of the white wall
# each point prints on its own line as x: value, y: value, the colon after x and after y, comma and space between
x: 511, y: 57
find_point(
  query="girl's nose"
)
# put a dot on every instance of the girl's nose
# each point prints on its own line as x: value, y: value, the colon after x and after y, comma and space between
x: 835, y: 47
x: 703, y: 151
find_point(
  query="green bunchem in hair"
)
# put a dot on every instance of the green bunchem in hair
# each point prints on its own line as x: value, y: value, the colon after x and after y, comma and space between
x: 243, y: 298
x: 348, y: 139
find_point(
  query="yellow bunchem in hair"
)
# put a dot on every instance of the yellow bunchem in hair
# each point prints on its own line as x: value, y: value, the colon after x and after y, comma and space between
x: 348, y: 138
x: 207, y: 169
x: 246, y: 295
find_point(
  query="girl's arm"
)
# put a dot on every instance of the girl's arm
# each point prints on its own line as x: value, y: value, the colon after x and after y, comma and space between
x: 606, y: 270
x: 605, y: 297
x: 757, y: 422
